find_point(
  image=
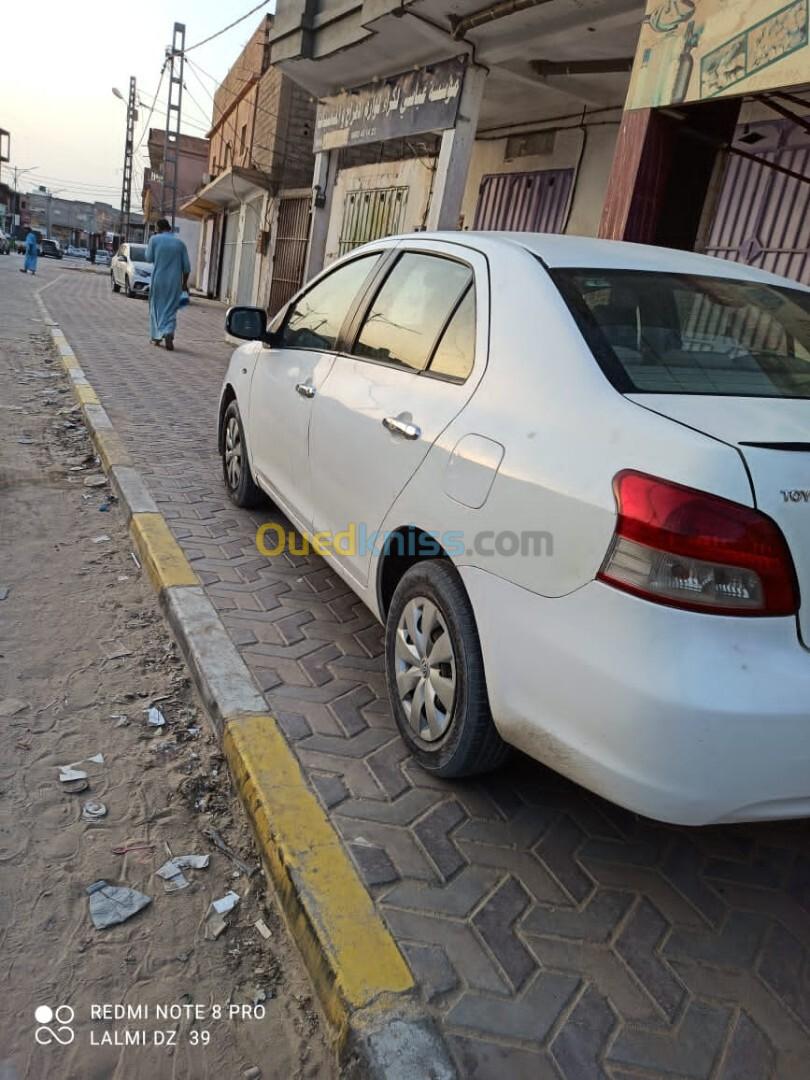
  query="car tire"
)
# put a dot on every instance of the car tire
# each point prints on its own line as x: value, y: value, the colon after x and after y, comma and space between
x: 242, y: 489
x: 462, y: 739
x: 115, y: 286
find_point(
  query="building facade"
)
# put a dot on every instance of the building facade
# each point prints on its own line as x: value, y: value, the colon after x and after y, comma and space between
x: 192, y: 165
x: 620, y: 118
x: 75, y: 221
x: 259, y: 168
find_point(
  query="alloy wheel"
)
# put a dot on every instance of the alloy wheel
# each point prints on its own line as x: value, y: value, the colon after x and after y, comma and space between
x: 233, y: 453
x: 425, y: 667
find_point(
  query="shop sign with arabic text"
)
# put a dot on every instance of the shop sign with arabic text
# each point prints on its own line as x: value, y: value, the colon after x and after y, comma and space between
x: 394, y: 108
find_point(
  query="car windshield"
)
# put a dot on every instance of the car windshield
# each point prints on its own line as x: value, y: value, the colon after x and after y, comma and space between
x: 137, y: 252
x: 663, y: 333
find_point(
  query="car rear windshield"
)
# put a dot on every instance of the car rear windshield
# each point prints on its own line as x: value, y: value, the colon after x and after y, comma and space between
x: 137, y: 252
x: 662, y: 333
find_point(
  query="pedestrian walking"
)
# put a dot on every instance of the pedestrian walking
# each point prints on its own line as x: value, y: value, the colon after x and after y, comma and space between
x: 31, y: 254
x: 169, y: 256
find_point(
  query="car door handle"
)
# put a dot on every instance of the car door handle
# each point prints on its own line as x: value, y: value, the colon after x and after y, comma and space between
x: 401, y: 427
x: 305, y: 389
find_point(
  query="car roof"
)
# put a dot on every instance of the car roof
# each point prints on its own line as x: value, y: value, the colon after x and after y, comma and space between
x: 558, y: 251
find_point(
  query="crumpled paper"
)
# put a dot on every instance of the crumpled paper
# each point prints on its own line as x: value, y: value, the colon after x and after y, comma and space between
x: 111, y: 904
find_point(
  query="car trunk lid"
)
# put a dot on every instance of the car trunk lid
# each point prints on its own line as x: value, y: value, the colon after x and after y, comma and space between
x: 773, y: 436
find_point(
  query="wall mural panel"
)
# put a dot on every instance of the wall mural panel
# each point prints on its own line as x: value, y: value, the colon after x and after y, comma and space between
x: 694, y: 50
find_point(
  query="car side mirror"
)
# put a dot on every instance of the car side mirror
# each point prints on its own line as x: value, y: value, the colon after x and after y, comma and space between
x: 246, y: 323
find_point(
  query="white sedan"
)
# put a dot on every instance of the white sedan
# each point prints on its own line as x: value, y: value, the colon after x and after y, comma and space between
x: 130, y: 271
x: 572, y: 478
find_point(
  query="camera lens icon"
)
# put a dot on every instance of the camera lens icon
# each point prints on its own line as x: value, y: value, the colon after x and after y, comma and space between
x: 62, y: 1016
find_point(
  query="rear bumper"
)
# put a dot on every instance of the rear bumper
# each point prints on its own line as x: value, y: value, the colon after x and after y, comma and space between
x: 682, y: 717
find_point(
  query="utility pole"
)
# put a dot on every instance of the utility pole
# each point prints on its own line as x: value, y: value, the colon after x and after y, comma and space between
x: 126, y: 183
x: 5, y: 149
x: 175, y: 59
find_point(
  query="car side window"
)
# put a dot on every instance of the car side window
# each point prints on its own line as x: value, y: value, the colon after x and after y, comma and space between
x: 314, y: 320
x: 454, y: 355
x: 409, y: 311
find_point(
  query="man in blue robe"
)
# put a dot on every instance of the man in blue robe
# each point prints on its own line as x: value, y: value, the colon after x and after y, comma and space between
x: 169, y: 257
x: 31, y: 254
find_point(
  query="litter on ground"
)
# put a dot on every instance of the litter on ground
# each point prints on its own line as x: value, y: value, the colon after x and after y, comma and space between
x: 111, y: 904
x: 93, y: 811
x: 172, y: 871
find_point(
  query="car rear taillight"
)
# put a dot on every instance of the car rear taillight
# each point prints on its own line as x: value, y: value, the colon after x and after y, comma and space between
x: 693, y: 550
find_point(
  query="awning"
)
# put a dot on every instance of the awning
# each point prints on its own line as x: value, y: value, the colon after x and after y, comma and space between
x: 230, y: 188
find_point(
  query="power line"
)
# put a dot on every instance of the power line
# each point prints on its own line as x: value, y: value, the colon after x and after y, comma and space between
x: 284, y: 141
x: 152, y: 107
x: 230, y: 26
x: 196, y: 103
x: 49, y: 178
x: 74, y: 187
x: 294, y: 155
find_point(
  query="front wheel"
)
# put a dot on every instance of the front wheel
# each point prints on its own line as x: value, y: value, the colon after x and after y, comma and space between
x: 435, y: 674
x: 115, y: 286
x: 242, y: 489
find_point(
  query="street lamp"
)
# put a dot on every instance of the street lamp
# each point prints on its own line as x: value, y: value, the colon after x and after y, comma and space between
x: 118, y: 93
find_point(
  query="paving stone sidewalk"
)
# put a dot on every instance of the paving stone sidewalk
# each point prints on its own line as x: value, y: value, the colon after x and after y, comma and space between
x: 554, y: 935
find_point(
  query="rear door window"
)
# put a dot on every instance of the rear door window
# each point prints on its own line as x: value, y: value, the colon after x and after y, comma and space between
x: 454, y: 355
x: 665, y: 333
x: 411, y: 310
x: 314, y: 320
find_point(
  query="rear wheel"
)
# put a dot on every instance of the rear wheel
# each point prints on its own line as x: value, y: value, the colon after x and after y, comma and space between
x: 115, y: 286
x: 242, y: 489
x: 435, y: 674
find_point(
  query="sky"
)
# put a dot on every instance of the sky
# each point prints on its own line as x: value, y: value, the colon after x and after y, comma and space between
x: 66, y: 125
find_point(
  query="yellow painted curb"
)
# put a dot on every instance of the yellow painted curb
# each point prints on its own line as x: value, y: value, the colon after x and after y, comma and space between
x: 162, y: 557
x: 110, y: 449
x: 351, y: 955
x: 85, y: 394
x: 357, y: 969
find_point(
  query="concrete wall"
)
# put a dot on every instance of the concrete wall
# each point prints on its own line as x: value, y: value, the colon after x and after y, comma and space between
x: 250, y: 63
x: 204, y: 254
x: 188, y: 229
x: 489, y: 156
x: 593, y: 153
x: 227, y: 148
x: 264, y: 270
x: 192, y: 164
x: 285, y: 121
x: 415, y: 174
x: 235, y: 102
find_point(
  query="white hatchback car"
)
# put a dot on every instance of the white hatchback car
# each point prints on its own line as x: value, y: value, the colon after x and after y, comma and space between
x: 572, y: 478
x: 130, y: 271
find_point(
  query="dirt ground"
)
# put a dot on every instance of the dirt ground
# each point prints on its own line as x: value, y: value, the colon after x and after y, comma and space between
x: 84, y: 653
